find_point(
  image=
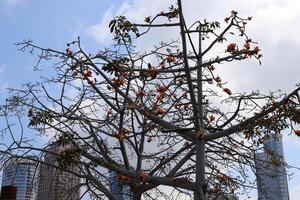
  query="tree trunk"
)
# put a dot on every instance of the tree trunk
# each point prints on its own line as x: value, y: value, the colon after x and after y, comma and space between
x: 197, y: 104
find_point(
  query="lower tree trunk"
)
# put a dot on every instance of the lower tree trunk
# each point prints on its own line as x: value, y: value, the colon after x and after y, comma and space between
x: 199, y: 193
x: 136, y: 196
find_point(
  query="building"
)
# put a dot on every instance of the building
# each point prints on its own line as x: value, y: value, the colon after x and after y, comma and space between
x: 119, y: 188
x: 222, y: 197
x: 56, y: 184
x: 270, y: 170
x: 8, y: 192
x: 20, y: 173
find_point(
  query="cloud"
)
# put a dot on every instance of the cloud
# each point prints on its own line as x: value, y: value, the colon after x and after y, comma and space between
x: 294, y: 192
x: 100, y: 31
x: 3, y: 85
x: 274, y: 26
x: 274, y: 20
x: 277, y: 22
x: 2, y: 68
x: 135, y: 11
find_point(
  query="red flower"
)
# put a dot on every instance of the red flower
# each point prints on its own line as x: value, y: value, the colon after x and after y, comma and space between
x: 260, y: 140
x: 247, y: 46
x: 153, y: 74
x: 162, y: 89
x: 123, y: 131
x: 174, y: 95
x: 211, y: 118
x: 159, y: 111
x: 123, y: 178
x: 218, y: 79
x: 69, y: 52
x: 88, y: 73
x: 170, y: 59
x: 221, y: 177
x: 143, y: 176
x: 226, y: 19
x: 149, y: 139
x: 231, y: 47
x: 211, y: 67
x: 30, y: 112
x: 176, y: 106
x: 228, y: 91
x: 117, y: 82
x: 233, y: 12
x: 141, y: 93
x: 209, y: 126
x: 186, y: 106
x: 147, y: 19
x: 297, y: 132
x: 256, y: 50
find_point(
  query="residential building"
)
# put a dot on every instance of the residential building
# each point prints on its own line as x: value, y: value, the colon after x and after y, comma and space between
x: 20, y: 173
x: 54, y: 183
x: 270, y: 170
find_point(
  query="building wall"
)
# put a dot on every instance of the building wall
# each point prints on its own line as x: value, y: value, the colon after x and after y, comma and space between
x: 271, y: 172
x: 120, y: 190
x: 21, y: 173
x: 57, y: 184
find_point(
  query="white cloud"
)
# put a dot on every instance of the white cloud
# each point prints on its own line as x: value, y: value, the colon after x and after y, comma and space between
x: 3, y: 85
x: 274, y: 26
x: 294, y: 192
x: 274, y: 20
x: 100, y: 31
x: 2, y: 68
x: 278, y: 22
x: 134, y: 12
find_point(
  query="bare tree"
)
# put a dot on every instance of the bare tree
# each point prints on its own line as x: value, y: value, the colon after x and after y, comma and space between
x: 157, y: 118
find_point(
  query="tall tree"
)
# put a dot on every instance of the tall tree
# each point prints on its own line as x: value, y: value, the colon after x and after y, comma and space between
x: 157, y: 118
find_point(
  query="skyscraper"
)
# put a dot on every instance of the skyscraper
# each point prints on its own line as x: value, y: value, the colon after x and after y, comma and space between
x: 21, y: 173
x: 270, y: 170
x: 120, y: 190
x: 56, y: 184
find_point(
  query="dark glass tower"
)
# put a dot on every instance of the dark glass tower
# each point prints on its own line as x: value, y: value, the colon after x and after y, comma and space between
x: 270, y: 170
x: 120, y: 190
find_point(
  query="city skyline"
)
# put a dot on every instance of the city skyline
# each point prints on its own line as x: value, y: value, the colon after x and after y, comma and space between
x: 41, y: 180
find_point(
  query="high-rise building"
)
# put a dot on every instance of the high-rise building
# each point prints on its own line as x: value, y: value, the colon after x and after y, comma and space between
x: 120, y: 190
x: 57, y: 184
x: 270, y: 170
x: 221, y: 197
x: 21, y: 173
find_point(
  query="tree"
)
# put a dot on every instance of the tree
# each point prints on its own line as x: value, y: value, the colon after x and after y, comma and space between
x: 154, y: 118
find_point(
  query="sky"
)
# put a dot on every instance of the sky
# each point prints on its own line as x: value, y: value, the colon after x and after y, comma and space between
x: 54, y: 23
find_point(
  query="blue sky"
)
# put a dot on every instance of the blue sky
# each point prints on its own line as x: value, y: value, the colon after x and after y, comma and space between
x: 56, y: 22
x: 48, y: 23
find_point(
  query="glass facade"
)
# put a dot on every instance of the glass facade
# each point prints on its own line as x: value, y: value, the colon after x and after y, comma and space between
x: 120, y: 190
x: 270, y: 170
x: 21, y: 173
